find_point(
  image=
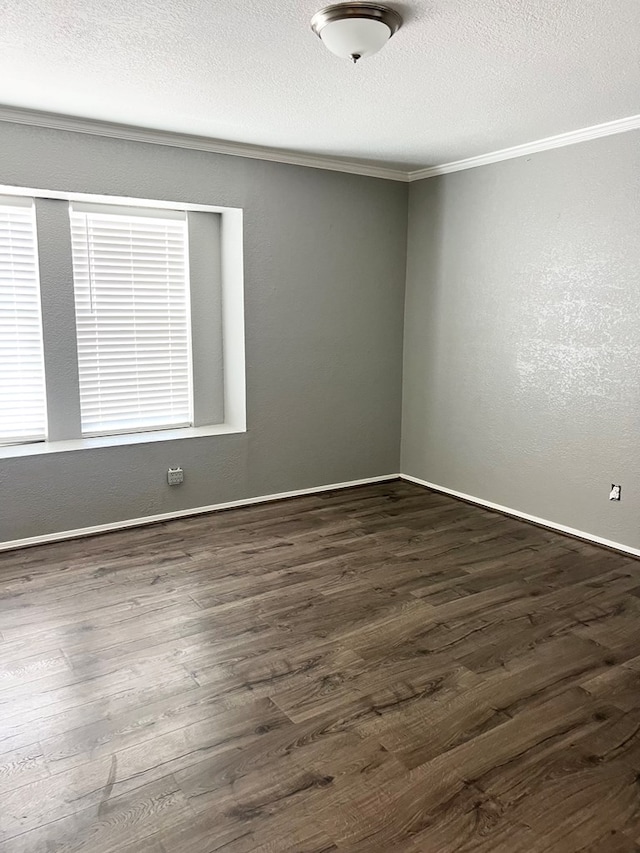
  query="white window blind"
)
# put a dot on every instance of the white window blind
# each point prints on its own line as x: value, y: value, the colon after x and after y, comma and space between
x: 22, y: 387
x: 130, y: 270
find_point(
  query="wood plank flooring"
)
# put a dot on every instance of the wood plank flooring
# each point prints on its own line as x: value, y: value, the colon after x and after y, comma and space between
x: 371, y: 670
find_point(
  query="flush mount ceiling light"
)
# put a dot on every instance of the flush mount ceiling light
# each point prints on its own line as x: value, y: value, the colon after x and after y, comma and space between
x: 355, y: 30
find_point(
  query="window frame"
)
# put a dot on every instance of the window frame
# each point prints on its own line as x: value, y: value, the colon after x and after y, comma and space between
x: 28, y: 204
x: 57, y: 295
x: 144, y: 214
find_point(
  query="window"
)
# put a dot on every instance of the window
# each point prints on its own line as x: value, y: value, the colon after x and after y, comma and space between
x: 113, y: 322
x: 132, y: 319
x: 22, y: 387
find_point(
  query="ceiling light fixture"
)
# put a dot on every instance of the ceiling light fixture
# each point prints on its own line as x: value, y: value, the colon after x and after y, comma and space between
x: 355, y: 30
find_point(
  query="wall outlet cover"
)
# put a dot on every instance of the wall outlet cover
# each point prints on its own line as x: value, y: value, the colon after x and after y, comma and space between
x: 175, y: 476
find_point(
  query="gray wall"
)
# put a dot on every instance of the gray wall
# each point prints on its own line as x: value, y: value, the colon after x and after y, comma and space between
x: 324, y: 292
x: 522, y: 335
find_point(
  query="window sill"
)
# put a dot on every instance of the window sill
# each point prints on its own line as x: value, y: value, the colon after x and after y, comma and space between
x: 38, y: 448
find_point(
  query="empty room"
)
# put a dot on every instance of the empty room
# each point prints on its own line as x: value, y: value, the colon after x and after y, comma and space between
x: 320, y: 426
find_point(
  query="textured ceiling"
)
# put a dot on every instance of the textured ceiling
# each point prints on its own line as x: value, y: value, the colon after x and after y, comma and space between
x: 461, y: 78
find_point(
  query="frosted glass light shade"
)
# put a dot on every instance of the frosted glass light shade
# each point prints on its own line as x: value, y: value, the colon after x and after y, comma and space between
x: 359, y: 37
x: 356, y: 29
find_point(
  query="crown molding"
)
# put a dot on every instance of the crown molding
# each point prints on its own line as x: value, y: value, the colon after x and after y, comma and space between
x: 597, y: 131
x: 131, y: 133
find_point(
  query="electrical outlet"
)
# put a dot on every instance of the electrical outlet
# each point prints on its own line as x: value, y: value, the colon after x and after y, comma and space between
x: 614, y: 494
x: 175, y: 476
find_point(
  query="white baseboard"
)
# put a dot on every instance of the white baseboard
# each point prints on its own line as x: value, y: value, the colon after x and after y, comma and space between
x: 183, y: 513
x: 542, y: 522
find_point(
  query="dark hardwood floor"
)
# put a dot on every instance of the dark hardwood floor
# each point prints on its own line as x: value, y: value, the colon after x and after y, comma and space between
x: 378, y: 669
